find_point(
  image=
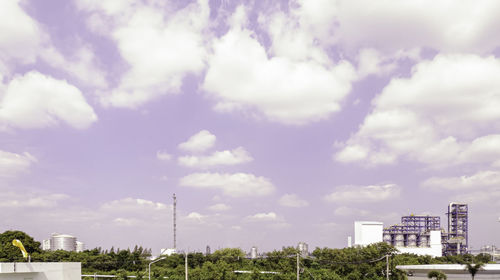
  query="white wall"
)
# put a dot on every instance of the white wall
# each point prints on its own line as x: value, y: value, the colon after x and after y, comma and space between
x: 367, y: 232
x: 41, y: 271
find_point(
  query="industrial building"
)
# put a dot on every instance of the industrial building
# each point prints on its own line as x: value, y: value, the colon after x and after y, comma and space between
x: 420, y: 234
x: 417, y: 234
x: 367, y: 232
x: 63, y: 242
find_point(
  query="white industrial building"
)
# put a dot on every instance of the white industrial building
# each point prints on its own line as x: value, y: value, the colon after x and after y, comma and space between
x: 370, y: 232
x: 367, y: 232
x: 64, y: 242
x: 452, y: 271
x: 41, y: 271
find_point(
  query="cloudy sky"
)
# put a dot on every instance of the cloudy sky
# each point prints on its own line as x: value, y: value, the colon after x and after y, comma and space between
x: 274, y: 122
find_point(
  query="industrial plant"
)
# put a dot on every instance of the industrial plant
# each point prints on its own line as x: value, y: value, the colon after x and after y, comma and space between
x: 420, y: 234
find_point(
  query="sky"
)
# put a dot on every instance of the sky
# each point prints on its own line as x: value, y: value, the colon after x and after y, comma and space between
x: 273, y: 122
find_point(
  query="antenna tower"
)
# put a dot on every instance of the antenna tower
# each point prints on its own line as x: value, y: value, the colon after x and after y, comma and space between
x: 175, y: 222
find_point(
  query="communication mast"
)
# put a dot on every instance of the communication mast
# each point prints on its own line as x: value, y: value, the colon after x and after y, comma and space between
x: 175, y: 222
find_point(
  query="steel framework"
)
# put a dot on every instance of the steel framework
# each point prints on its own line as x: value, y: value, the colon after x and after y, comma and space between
x: 458, y: 229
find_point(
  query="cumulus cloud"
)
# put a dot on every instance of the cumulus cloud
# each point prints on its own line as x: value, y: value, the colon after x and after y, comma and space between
x: 163, y: 155
x: 26, y: 41
x: 37, y: 101
x: 81, y: 64
x: 292, y: 200
x: 227, y: 157
x: 199, y: 142
x: 359, y: 194
x: 439, y: 116
x: 479, y: 180
x: 285, y: 88
x: 18, y: 41
x: 387, y: 24
x: 130, y: 204
x: 12, y: 164
x: 219, y: 207
x: 18, y: 200
x: 171, y: 45
x: 271, y: 216
x: 235, y: 185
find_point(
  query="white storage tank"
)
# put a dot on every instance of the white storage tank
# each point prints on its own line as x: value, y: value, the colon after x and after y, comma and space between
x: 399, y: 240
x: 63, y: 242
x: 412, y: 240
x: 387, y: 238
x: 424, y: 241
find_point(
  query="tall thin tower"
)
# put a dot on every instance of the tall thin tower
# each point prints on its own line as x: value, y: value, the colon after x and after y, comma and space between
x: 175, y: 222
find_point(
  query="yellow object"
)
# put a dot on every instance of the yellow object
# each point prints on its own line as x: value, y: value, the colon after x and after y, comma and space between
x: 19, y: 244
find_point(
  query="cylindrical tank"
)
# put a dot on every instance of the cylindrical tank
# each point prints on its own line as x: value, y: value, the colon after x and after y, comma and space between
x: 387, y: 238
x: 399, y: 240
x: 412, y: 240
x: 253, y: 252
x: 63, y: 242
x: 424, y: 241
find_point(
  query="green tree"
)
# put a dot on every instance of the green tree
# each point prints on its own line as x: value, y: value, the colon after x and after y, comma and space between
x: 10, y: 253
x: 473, y: 269
x: 437, y: 275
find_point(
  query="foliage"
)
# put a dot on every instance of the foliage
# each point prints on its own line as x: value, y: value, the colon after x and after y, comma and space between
x: 324, y: 263
x: 473, y: 269
x: 437, y: 275
x: 10, y: 253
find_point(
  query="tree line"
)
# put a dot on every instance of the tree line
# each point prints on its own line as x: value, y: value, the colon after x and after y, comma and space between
x: 353, y: 263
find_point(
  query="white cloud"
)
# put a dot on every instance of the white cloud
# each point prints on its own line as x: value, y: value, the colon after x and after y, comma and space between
x: 219, y: 207
x: 235, y: 185
x: 127, y: 222
x: 20, y: 200
x: 26, y: 41
x: 82, y: 65
x: 36, y: 101
x: 387, y: 25
x: 479, y: 180
x: 345, y: 211
x: 133, y: 205
x: 195, y: 216
x: 292, y: 200
x: 199, y: 142
x: 443, y: 115
x: 271, y: 216
x: 163, y: 155
x: 359, y: 194
x: 227, y: 157
x: 160, y: 45
x: 12, y: 164
x: 19, y: 41
x: 285, y: 88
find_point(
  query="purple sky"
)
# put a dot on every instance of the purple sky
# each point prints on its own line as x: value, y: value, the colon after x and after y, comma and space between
x: 273, y: 122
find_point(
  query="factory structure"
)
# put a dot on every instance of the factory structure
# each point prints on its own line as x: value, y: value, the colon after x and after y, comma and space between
x: 420, y: 234
x: 64, y: 242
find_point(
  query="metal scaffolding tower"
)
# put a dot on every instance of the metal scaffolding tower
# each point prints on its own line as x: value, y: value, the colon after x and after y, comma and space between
x: 458, y: 229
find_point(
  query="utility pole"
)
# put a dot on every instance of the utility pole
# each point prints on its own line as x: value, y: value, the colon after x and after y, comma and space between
x: 186, y: 265
x: 298, y: 267
x: 387, y: 266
